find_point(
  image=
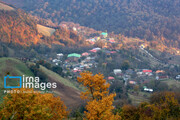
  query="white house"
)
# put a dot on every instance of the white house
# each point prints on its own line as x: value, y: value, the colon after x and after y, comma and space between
x: 148, y: 90
x: 60, y: 55
x: 117, y: 71
x: 54, y: 60
x: 74, y: 29
x: 178, y: 77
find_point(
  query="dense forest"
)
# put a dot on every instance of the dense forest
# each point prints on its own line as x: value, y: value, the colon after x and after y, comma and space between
x: 19, y: 27
x: 151, y: 20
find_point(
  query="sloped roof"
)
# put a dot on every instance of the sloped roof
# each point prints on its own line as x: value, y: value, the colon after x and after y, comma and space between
x: 74, y: 55
x: 93, y: 50
x: 103, y: 33
x: 85, y: 54
x: 111, y: 78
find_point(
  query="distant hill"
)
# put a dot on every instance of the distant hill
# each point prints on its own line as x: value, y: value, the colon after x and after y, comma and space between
x: 18, y: 27
x: 156, y: 20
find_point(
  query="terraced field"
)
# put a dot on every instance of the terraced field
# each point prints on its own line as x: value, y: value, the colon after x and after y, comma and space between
x: 46, y: 31
x: 6, y: 7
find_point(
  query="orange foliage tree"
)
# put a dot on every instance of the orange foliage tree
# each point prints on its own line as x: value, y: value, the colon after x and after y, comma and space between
x: 99, y: 105
x: 163, y: 106
x: 129, y: 112
x: 32, y: 105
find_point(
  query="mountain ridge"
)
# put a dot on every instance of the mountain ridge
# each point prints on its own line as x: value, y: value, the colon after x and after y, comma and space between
x: 19, y: 27
x: 22, y: 28
x: 151, y: 20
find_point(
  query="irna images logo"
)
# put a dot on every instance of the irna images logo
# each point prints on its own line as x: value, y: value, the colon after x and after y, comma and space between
x: 15, y: 79
x: 27, y: 82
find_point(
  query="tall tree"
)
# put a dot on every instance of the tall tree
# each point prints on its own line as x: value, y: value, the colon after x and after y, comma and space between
x: 99, y: 105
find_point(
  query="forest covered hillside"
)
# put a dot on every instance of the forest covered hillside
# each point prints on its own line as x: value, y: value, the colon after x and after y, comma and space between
x: 18, y: 27
x: 151, y: 20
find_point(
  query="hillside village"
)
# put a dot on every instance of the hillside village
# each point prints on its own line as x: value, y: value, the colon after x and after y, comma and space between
x: 74, y: 63
x: 126, y: 67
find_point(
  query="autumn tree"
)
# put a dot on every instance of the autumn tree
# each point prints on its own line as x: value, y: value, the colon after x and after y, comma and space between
x: 129, y: 112
x: 162, y: 106
x: 32, y: 105
x: 99, y: 105
x: 168, y: 104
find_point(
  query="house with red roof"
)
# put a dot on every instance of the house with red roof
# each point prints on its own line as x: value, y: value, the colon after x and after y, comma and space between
x: 93, y: 51
x: 111, y: 78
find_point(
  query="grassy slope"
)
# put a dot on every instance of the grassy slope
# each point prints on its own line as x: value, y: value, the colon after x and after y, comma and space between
x: 137, y: 99
x: 17, y: 68
x: 14, y: 67
x: 67, y: 90
x: 46, y: 31
x: 5, y: 7
x: 172, y: 83
x: 55, y: 76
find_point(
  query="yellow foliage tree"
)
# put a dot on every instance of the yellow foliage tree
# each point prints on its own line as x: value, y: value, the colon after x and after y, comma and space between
x: 163, y: 106
x: 99, y: 106
x: 32, y: 105
x: 129, y: 112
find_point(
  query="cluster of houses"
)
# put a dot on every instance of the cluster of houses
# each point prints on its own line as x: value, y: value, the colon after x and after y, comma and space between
x: 145, y: 74
x: 103, y: 38
x: 76, y: 63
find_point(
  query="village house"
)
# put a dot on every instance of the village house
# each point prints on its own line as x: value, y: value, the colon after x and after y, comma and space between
x: 55, y: 60
x: 111, y: 78
x: 73, y: 57
x: 160, y: 71
x: 111, y: 40
x: 178, y: 77
x: 147, y: 72
x: 132, y: 82
x: 85, y: 54
x: 60, y: 56
x: 163, y: 77
x: 147, y: 89
x: 104, y: 35
x: 117, y: 71
x: 93, y: 51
